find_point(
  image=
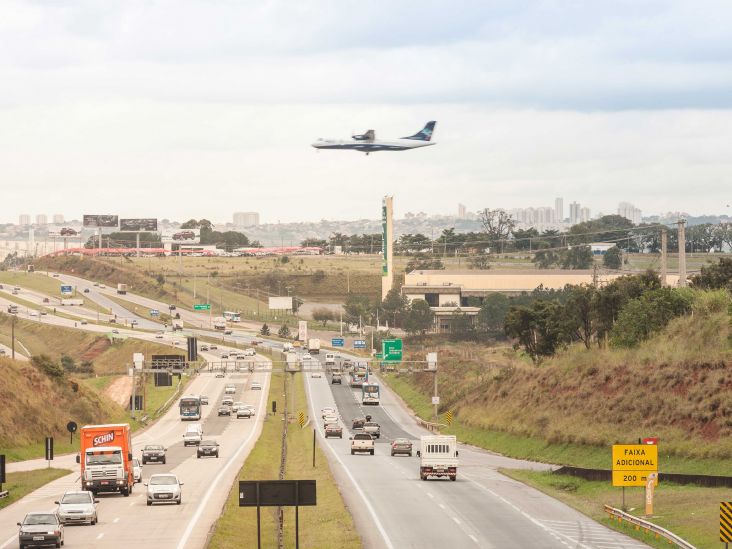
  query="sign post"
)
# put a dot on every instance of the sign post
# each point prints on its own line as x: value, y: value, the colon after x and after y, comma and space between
x: 359, y: 343
x: 633, y: 465
x: 202, y: 307
x: 391, y: 350
x: 71, y: 428
x: 337, y: 342
x: 725, y: 522
x: 49, y: 450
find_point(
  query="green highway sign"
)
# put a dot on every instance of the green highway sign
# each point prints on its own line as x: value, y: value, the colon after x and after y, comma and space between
x: 202, y: 307
x: 391, y: 349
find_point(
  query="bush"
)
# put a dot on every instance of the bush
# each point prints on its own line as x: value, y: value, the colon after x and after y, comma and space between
x: 265, y: 330
x: 711, y: 302
x: 45, y: 364
x: 68, y: 364
x: 613, y: 258
x: 648, y: 314
x: 284, y: 331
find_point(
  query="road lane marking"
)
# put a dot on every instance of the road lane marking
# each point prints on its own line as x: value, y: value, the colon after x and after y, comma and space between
x: 471, y: 536
x: 442, y: 506
x: 100, y: 536
x: 429, y: 494
x: 457, y: 520
x: 217, y: 480
x: 116, y: 520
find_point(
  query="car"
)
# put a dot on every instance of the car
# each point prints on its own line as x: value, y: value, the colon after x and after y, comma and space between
x: 358, y: 423
x: 219, y: 373
x: 115, y: 331
x: 86, y: 290
x: 44, y: 313
x: 164, y: 488
x: 77, y: 506
x: 330, y: 418
x: 336, y: 379
x: 306, y: 357
x: 401, y: 446
x: 207, y: 448
x: 333, y: 430
x: 96, y: 284
x: 225, y: 410
x: 55, y: 275
x: 362, y: 442
x: 39, y: 529
x: 193, y: 435
x: 244, y: 412
x: 228, y: 332
x: 225, y: 354
x: 204, y: 347
x: 204, y: 399
x: 316, y: 374
x: 235, y: 407
x: 213, y: 347
x: 84, y: 322
x: 102, y: 286
x: 327, y: 412
x: 256, y: 386
x: 133, y: 322
x: 372, y: 429
x: 137, y: 470
x: 249, y: 352
x: 184, y: 235
x: 227, y: 401
x: 2, y: 352
x: 250, y: 408
x: 153, y: 452
x: 230, y: 389
x: 33, y: 313
x: 46, y: 300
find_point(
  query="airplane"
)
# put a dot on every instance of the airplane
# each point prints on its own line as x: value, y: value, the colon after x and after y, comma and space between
x: 367, y: 142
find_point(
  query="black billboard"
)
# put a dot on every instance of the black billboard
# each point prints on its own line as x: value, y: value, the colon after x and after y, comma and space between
x: 139, y: 224
x: 166, y: 362
x: 101, y: 220
x: 275, y: 493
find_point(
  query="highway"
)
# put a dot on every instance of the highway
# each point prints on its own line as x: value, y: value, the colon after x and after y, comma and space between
x: 393, y: 508
x: 129, y: 521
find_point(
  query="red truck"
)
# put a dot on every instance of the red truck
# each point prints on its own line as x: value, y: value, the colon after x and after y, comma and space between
x: 106, y: 458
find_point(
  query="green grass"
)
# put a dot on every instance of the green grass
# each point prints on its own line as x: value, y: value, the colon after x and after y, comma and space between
x: 100, y: 383
x: 327, y: 525
x: 23, y: 483
x: 691, y: 512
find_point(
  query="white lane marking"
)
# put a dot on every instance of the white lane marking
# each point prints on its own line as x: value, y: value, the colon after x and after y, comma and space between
x: 116, y: 520
x: 442, y: 506
x: 132, y: 503
x: 429, y: 494
x: 471, y: 536
x: 10, y: 540
x: 214, y: 485
x: 360, y: 492
x: 100, y: 536
x: 457, y: 520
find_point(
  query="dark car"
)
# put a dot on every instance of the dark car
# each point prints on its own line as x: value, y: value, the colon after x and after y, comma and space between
x: 39, y: 529
x: 333, y: 430
x: 86, y: 290
x: 153, y: 452
x: 358, y: 423
x: 336, y: 379
x: 208, y: 448
x: 66, y: 231
x: 224, y: 410
x: 184, y: 235
x: 401, y: 446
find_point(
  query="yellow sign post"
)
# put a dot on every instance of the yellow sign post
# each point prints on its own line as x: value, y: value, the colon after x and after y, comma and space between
x: 725, y: 521
x: 301, y: 418
x: 633, y: 462
x: 448, y: 417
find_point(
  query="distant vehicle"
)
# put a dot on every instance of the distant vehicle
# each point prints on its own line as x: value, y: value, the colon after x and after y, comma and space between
x: 357, y: 423
x: 46, y: 300
x: 336, y: 379
x: 316, y: 374
x: 159, y: 335
x: 401, y: 446
x: 225, y: 354
x: 83, y: 322
x: 256, y: 386
x: 13, y: 309
x: 39, y: 529
x: 115, y: 331
x: 333, y: 430
x: 77, y: 506
x: 32, y: 313
x: 287, y: 347
x: 250, y: 352
x: 438, y: 456
x: 228, y: 401
x: 367, y: 142
x: 30, y: 268
x: 44, y: 313
x: 213, y: 347
x: 106, y: 458
x: 228, y: 332
x: 208, y: 448
x: 193, y: 435
x: 314, y: 346
x: 231, y: 316
x: 235, y: 407
x: 102, y: 286
x: 251, y: 408
x: 164, y: 488
x: 220, y: 373
x: 372, y: 428
x: 153, y: 452
x: 330, y: 418
x: 244, y: 412
x: 370, y: 393
x: 67, y: 231
x: 121, y: 289
x: 204, y: 399
x: 204, y: 347
x: 230, y: 389
x: 133, y: 322
x: 329, y: 359
x: 190, y: 407
x: 224, y: 410
x: 136, y: 470
x: 86, y: 290
x: 184, y: 235
x: 327, y: 412
x: 362, y: 442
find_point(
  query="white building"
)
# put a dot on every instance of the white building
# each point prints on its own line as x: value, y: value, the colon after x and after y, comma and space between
x: 559, y: 209
x: 246, y: 219
x: 574, y: 213
x: 584, y: 214
x: 630, y: 212
x: 24, y: 220
x: 58, y: 219
x: 41, y: 220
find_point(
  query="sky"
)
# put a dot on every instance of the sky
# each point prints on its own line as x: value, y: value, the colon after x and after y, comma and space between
x: 180, y: 109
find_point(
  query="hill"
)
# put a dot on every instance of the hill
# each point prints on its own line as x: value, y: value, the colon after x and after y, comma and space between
x: 677, y: 386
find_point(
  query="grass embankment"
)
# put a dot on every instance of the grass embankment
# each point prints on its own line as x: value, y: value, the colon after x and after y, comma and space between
x: 21, y: 484
x: 572, y: 408
x: 327, y: 525
x: 691, y: 512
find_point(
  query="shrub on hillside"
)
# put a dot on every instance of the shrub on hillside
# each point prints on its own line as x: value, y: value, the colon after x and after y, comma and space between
x: 644, y: 316
x: 45, y: 364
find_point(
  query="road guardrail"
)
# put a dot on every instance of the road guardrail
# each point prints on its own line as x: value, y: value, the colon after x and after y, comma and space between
x: 620, y: 516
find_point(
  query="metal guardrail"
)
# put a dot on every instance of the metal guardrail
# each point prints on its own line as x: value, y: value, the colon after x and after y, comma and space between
x: 4, y: 494
x: 617, y: 514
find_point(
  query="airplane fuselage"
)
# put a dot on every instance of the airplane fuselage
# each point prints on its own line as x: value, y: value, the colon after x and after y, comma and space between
x: 371, y: 146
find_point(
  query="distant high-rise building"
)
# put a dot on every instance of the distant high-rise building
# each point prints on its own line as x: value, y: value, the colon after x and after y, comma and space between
x: 246, y: 219
x: 24, y: 220
x: 584, y: 214
x: 58, y: 219
x: 574, y: 213
x: 462, y: 211
x: 559, y: 209
x: 41, y: 220
x: 630, y: 212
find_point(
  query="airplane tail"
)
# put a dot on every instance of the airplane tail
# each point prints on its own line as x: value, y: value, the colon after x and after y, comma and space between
x: 425, y: 134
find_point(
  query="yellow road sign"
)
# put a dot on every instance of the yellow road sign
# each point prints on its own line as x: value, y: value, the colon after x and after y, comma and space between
x: 301, y: 418
x: 632, y: 478
x: 725, y: 521
x: 635, y: 457
x: 448, y: 417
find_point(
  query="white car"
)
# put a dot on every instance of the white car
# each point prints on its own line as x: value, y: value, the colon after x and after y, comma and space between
x: 316, y: 374
x: 164, y: 488
x: 230, y: 390
x: 250, y: 408
x: 227, y: 401
x: 235, y: 407
x: 193, y: 435
x: 331, y: 418
x: 159, y: 335
x: 327, y: 412
x: 77, y: 506
x: 250, y: 352
x: 256, y: 386
x: 137, y: 470
x: 33, y: 313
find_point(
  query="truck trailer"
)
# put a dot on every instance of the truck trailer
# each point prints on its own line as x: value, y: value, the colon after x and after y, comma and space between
x: 106, y: 458
x: 438, y: 456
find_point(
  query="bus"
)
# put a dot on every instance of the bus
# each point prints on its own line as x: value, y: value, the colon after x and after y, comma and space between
x: 369, y: 393
x: 190, y: 407
x: 232, y: 316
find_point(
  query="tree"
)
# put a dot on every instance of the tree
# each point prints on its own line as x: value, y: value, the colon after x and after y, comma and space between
x: 579, y: 318
x: 613, y: 258
x: 322, y: 315
x: 284, y: 331
x: 493, y: 313
x: 462, y: 327
x: 46, y: 365
x: 424, y: 262
x: 265, y: 331
x: 497, y: 225
x: 611, y: 298
x: 419, y: 318
x: 481, y: 260
x: 395, y: 306
x: 537, y: 328
x: 545, y: 259
x: 714, y: 276
x: 577, y: 257
x: 357, y: 308
x: 68, y: 363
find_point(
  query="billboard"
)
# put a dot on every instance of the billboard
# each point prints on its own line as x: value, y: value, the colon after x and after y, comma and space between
x: 302, y: 330
x: 182, y: 236
x: 280, y: 303
x: 67, y: 289
x: 101, y: 220
x: 138, y: 224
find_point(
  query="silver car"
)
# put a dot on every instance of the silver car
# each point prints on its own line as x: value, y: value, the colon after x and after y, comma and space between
x: 77, y: 507
x: 136, y: 470
x: 164, y: 488
x: 39, y: 529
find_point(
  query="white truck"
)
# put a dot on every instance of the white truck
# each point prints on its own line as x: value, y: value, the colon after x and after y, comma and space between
x: 438, y: 456
x: 330, y: 359
x: 292, y: 360
x: 121, y: 289
x: 314, y: 346
x: 71, y: 302
x: 362, y: 442
x: 219, y: 323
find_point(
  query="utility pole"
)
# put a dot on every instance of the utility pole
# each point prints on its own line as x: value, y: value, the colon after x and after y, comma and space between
x: 682, y: 252
x: 12, y: 351
x: 664, y: 258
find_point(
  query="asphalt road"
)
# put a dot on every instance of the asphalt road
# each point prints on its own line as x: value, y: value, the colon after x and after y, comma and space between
x: 393, y: 508
x: 129, y: 521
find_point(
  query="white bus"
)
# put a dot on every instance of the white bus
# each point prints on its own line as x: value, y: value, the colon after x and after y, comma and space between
x: 232, y: 316
x: 370, y: 393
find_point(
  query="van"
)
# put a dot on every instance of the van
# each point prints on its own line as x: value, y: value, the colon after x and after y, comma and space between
x: 193, y: 435
x: 329, y: 359
x: 438, y: 456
